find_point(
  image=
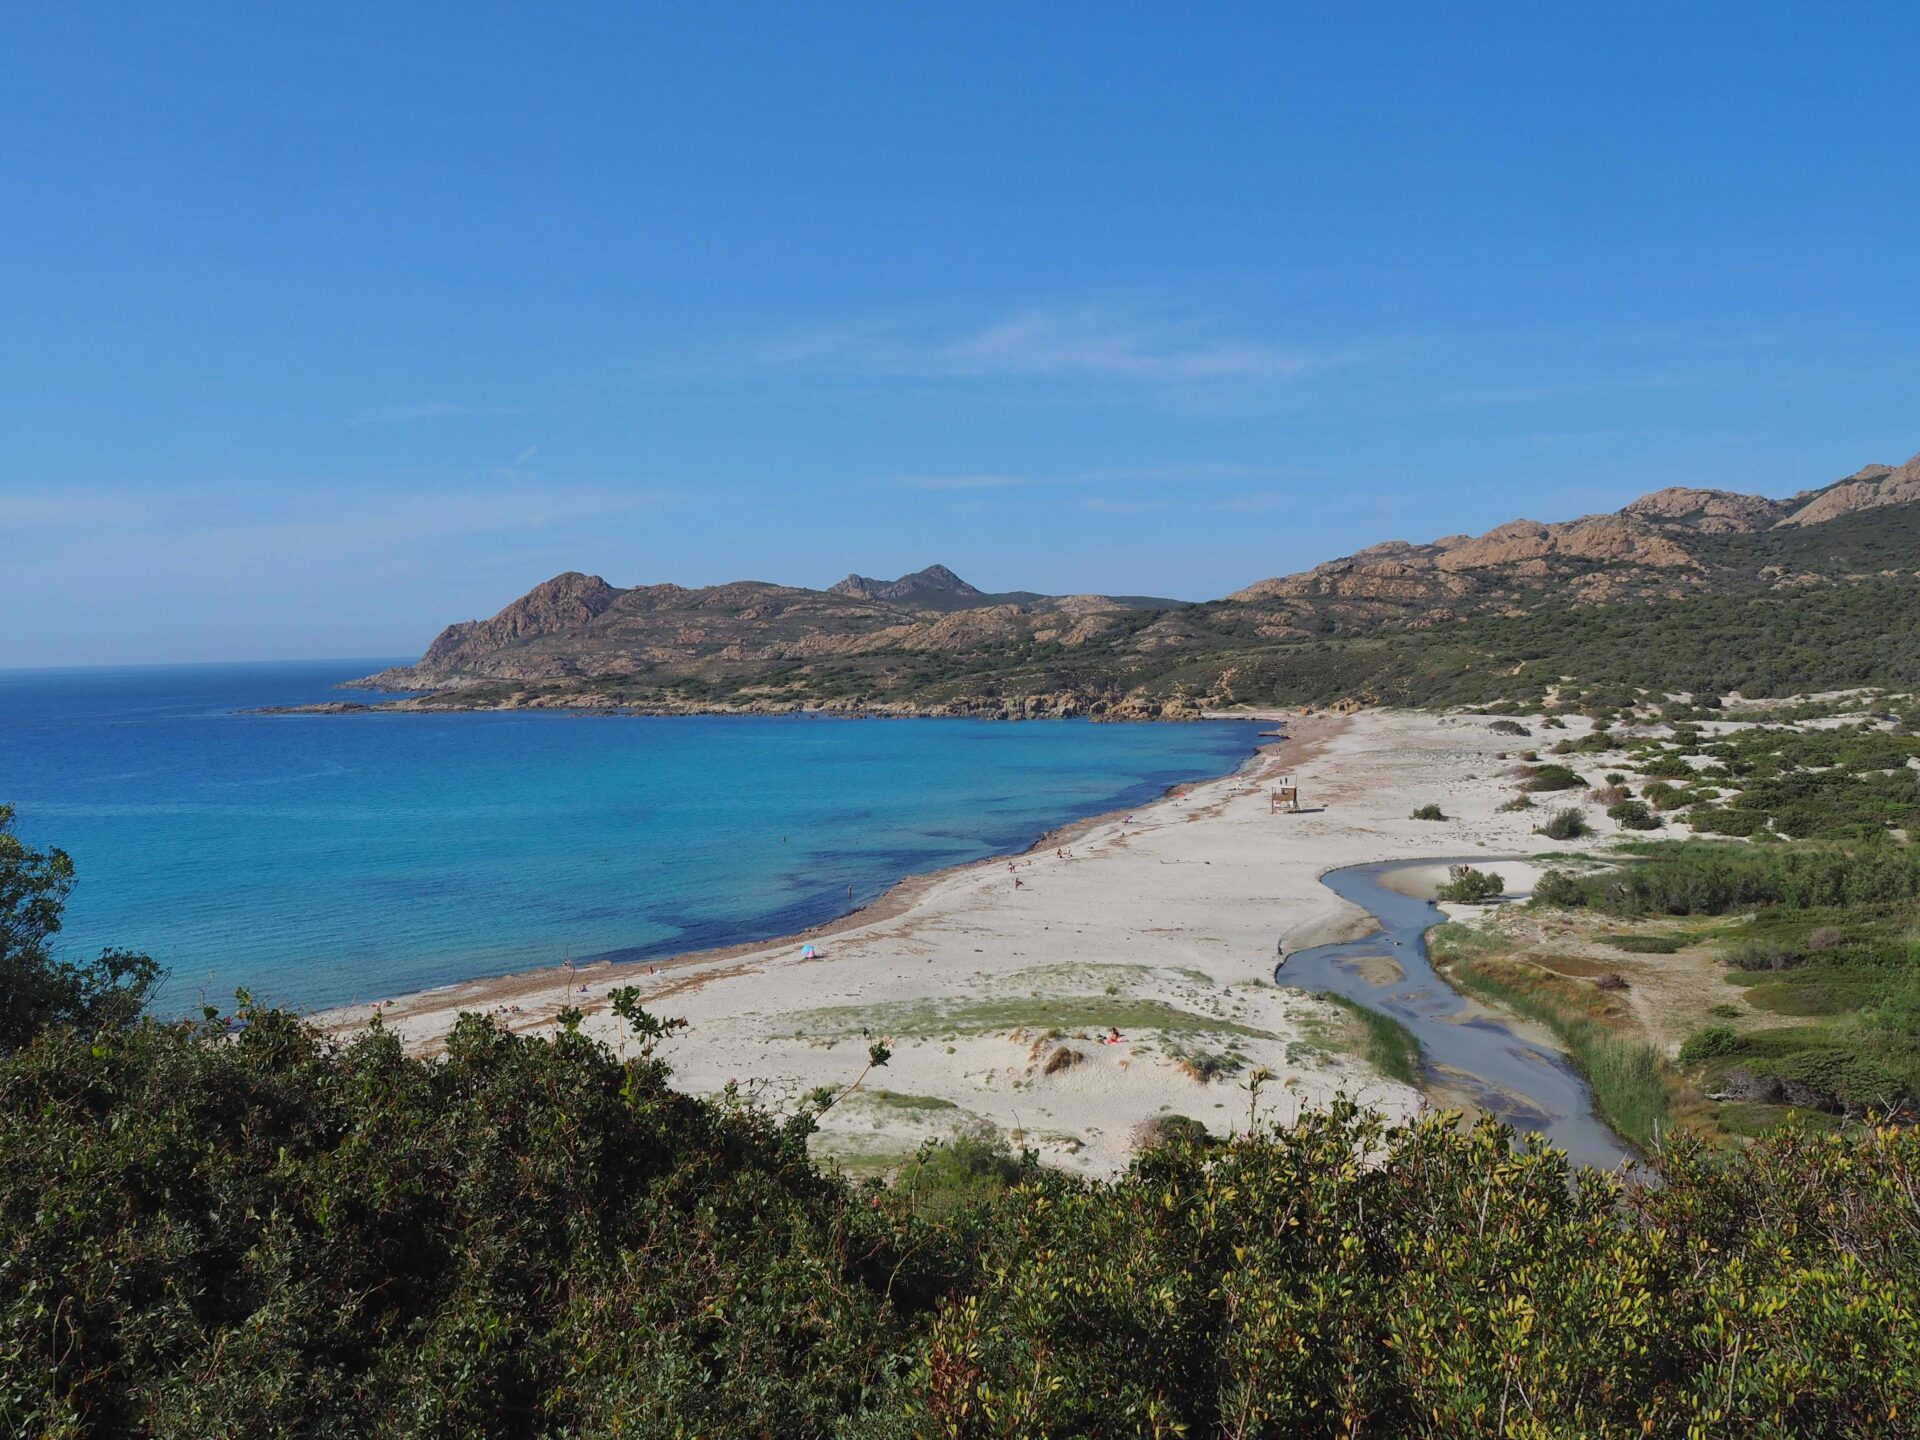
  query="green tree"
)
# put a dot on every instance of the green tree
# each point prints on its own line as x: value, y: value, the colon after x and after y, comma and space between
x: 38, y: 989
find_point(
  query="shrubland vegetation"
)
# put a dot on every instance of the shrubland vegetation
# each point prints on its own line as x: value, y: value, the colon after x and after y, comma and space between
x: 1825, y: 940
x: 1852, y: 780
x: 239, y: 1226
x: 1468, y: 886
x: 1759, y: 643
x: 1568, y: 824
x: 1764, y: 644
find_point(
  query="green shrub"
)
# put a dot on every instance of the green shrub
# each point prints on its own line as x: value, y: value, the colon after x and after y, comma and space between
x: 1646, y: 944
x: 949, y: 1175
x: 1763, y: 954
x: 1713, y: 820
x: 1467, y: 886
x: 1634, y: 815
x: 1568, y: 824
x: 1429, y: 812
x: 1557, y: 887
x: 1663, y: 796
x: 1548, y: 778
x: 1668, y: 767
x: 1709, y: 1044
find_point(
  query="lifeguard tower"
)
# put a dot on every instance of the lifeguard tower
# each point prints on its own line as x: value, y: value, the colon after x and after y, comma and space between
x: 1286, y: 797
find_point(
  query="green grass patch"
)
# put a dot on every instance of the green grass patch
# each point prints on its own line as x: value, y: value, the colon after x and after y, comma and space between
x: 900, y: 1100
x: 1390, y: 1046
x: 1624, y: 1073
x: 996, y: 1015
x: 1646, y: 944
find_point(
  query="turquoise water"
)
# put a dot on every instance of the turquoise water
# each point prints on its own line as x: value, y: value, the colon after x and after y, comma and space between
x: 320, y: 859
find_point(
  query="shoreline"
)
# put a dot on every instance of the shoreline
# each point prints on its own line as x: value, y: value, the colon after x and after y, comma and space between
x: 896, y: 900
x: 1130, y: 711
x: 996, y: 984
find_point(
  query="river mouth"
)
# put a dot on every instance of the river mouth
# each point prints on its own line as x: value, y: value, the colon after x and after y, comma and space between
x: 1463, y: 1051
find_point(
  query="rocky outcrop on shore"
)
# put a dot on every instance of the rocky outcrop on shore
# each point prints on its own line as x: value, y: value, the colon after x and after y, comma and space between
x: 1061, y: 705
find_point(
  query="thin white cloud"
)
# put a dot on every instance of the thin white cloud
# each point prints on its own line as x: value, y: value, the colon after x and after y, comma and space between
x: 969, y: 482
x: 1262, y: 504
x: 428, y: 410
x: 342, y: 521
x: 1548, y: 391
x: 1108, y: 506
x: 527, y: 454
x: 1048, y: 344
x: 67, y: 512
x: 1197, y: 473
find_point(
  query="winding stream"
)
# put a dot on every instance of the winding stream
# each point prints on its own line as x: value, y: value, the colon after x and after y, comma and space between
x: 1528, y: 1085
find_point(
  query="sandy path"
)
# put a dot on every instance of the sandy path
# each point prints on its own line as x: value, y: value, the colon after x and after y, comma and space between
x: 1163, y: 924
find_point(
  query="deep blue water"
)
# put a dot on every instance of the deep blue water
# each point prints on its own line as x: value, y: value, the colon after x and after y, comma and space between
x: 319, y: 859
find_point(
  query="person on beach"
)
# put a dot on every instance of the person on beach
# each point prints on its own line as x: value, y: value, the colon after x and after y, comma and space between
x: 1018, y: 883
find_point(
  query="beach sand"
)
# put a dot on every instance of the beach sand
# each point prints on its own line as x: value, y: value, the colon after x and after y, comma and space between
x: 1163, y: 923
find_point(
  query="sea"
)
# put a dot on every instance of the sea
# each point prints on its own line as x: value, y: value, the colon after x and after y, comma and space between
x: 316, y: 860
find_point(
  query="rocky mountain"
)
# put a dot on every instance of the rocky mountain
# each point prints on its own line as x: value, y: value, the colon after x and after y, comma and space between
x: 1670, y: 544
x: 576, y: 625
x: 930, y: 641
x: 935, y: 583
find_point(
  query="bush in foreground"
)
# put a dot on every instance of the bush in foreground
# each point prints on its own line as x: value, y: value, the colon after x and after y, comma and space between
x: 272, y: 1234
x: 275, y: 1235
x: 257, y: 1230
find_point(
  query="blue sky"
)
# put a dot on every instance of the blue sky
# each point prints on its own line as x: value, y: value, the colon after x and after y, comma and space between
x: 321, y: 327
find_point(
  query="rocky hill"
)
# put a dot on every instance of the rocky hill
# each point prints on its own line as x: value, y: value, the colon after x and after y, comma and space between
x: 1671, y: 544
x: 935, y: 586
x: 929, y: 641
x: 575, y: 626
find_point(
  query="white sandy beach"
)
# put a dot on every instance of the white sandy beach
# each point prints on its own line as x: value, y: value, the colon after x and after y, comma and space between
x: 994, y: 996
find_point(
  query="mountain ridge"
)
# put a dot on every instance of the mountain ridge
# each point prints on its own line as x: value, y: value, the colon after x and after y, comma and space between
x: 931, y: 640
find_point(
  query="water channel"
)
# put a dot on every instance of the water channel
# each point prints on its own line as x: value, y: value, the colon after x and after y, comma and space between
x: 1465, y: 1050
